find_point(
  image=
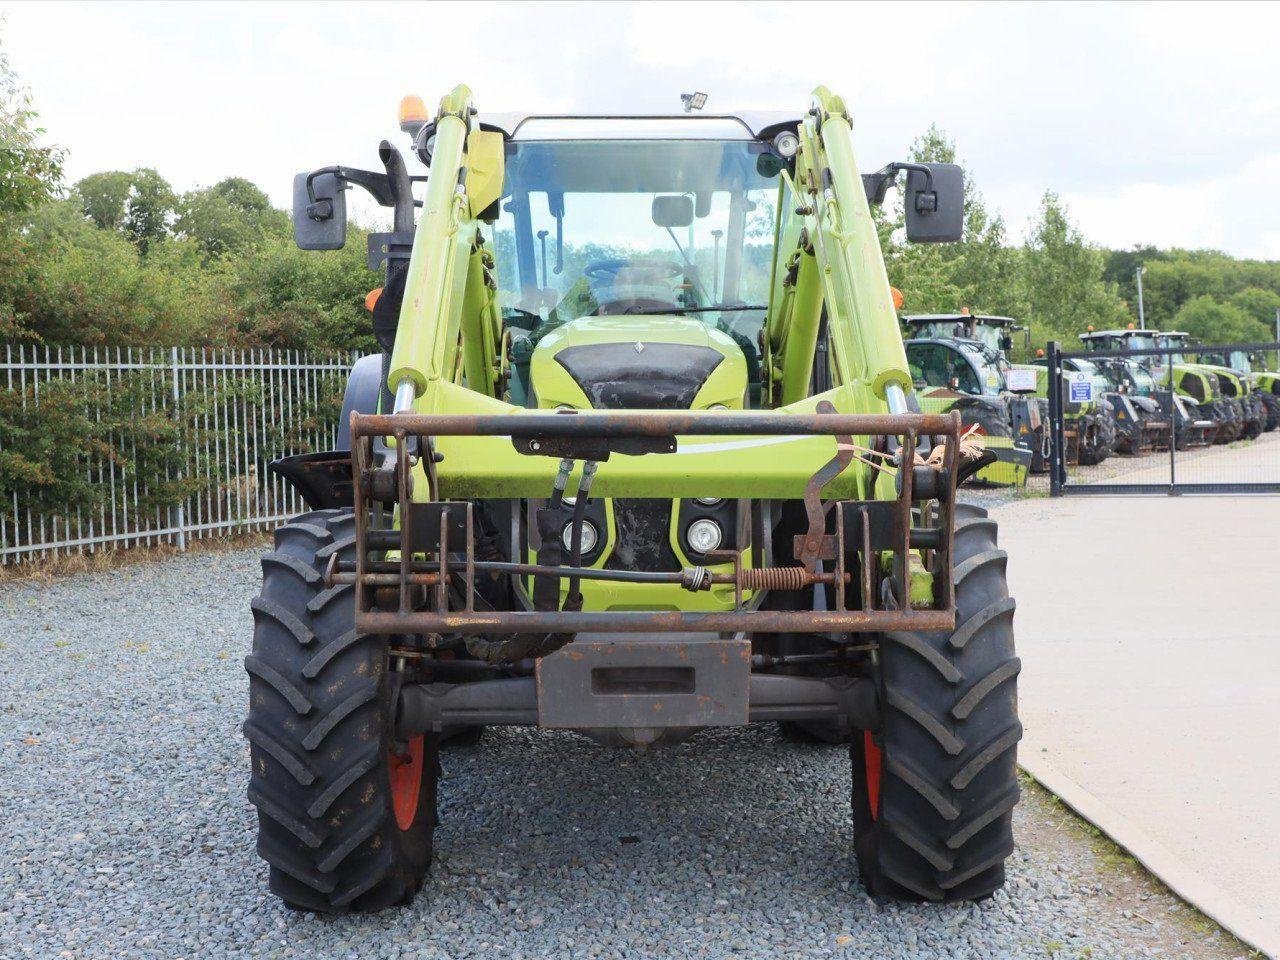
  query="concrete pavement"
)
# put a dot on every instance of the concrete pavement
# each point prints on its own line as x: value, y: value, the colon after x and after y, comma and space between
x: 1149, y: 630
x: 1254, y: 461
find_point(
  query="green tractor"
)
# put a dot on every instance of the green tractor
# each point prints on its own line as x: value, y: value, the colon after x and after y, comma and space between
x: 958, y: 362
x: 1142, y: 424
x: 640, y: 455
x: 1245, y: 414
x: 1196, y: 403
x: 1092, y: 428
x: 1262, y: 388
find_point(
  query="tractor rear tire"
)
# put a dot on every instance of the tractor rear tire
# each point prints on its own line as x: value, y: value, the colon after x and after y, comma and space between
x: 1255, y: 418
x: 1270, y: 406
x: 934, y: 789
x: 1097, y: 438
x: 345, y: 814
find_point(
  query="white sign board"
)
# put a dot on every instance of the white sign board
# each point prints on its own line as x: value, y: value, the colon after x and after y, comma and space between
x: 1079, y: 388
x: 1019, y: 380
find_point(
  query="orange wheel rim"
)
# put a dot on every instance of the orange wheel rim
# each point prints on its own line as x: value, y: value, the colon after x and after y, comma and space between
x: 405, y: 770
x: 871, y: 764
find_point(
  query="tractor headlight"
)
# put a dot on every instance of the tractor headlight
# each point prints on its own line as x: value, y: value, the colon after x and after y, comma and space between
x: 709, y: 501
x: 704, y: 536
x: 590, y: 536
x: 787, y: 144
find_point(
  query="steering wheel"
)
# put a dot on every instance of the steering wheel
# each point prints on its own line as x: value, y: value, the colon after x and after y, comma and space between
x: 607, y: 270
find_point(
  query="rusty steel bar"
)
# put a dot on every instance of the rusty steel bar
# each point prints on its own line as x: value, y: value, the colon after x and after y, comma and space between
x: 613, y: 424
x: 907, y: 471
x: 656, y: 621
x: 752, y: 578
x: 406, y: 532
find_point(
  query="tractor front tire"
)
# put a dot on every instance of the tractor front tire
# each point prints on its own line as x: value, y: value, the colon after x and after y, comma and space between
x: 346, y: 815
x: 934, y: 789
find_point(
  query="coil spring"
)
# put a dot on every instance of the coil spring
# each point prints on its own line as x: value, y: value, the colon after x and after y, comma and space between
x: 774, y: 578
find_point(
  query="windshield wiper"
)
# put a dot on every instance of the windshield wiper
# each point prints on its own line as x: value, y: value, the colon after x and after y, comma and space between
x: 722, y: 308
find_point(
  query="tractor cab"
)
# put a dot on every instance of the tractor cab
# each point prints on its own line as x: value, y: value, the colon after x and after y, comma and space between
x: 963, y: 366
x: 968, y: 374
x: 613, y: 232
x: 1241, y: 361
x: 995, y: 334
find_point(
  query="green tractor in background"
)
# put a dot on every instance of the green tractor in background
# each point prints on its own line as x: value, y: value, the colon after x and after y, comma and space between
x: 1247, y: 416
x: 1263, y: 387
x: 1094, y: 429
x: 959, y: 362
x: 1201, y: 415
x: 1142, y: 423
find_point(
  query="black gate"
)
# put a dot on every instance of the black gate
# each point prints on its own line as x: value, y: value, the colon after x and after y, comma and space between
x: 1151, y: 413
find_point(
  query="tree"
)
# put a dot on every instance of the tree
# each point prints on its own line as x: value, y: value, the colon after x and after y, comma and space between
x: 1262, y: 305
x: 30, y: 173
x: 228, y: 217
x: 1062, y: 278
x: 137, y: 204
x: 1214, y: 322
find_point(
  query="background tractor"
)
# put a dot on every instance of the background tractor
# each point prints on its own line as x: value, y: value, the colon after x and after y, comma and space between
x: 640, y: 455
x: 1263, y: 386
x: 1244, y: 415
x: 958, y: 362
x: 1093, y: 429
x: 1195, y: 403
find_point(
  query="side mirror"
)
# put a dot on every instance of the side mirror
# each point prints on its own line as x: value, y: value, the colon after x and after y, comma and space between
x: 319, y: 211
x: 672, y: 210
x: 934, y: 203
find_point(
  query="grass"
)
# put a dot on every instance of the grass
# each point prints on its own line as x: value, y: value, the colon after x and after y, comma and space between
x: 48, y: 569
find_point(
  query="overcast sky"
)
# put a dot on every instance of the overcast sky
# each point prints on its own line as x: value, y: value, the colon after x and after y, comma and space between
x: 1157, y: 123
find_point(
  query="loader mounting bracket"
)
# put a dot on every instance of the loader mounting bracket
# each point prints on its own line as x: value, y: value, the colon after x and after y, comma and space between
x: 434, y: 544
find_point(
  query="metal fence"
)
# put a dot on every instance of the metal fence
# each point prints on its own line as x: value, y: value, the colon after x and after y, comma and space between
x: 102, y: 448
x: 1183, y: 419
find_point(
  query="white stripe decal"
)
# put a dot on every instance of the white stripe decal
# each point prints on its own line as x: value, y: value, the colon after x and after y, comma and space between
x: 746, y: 444
x: 739, y: 444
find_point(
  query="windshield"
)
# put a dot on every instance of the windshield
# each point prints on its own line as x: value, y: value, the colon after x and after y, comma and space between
x: 941, y: 365
x: 1237, y: 360
x: 991, y: 337
x: 1139, y: 376
x: 1087, y: 367
x: 1177, y: 343
x: 963, y: 328
x: 591, y: 227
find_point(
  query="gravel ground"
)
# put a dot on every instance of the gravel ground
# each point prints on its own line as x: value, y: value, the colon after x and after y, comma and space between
x: 125, y: 831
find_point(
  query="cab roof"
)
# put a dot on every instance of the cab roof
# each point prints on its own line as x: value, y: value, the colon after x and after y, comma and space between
x: 957, y: 318
x: 1094, y: 334
x: 749, y: 125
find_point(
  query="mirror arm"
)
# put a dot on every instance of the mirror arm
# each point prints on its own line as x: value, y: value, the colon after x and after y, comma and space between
x: 877, y: 184
x: 399, y: 185
x: 377, y: 184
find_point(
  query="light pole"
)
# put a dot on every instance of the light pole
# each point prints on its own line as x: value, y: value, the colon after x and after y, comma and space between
x: 1142, y: 317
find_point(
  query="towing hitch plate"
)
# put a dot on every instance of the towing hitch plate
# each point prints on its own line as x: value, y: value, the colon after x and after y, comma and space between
x: 699, y: 682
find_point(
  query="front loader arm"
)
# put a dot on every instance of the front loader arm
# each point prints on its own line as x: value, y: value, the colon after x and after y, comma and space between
x: 866, y: 344
x: 449, y: 291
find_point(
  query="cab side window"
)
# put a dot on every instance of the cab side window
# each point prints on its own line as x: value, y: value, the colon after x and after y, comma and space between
x: 963, y: 374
